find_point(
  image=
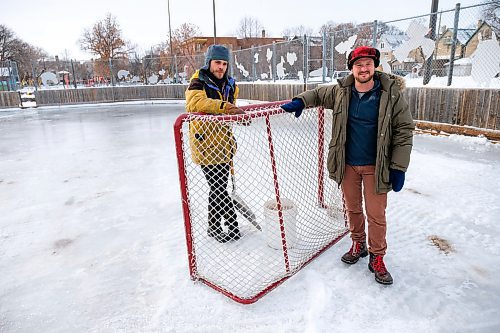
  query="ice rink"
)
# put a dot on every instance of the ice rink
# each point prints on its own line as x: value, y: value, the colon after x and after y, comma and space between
x: 92, y: 237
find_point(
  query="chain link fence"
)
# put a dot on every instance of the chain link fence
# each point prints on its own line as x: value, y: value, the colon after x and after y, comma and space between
x: 454, y: 47
x: 9, y: 75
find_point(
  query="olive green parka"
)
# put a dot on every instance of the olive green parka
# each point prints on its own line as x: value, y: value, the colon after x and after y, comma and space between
x: 395, y: 126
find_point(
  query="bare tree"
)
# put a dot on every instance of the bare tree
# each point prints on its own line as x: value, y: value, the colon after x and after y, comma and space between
x: 185, y: 32
x: 24, y: 54
x: 297, y: 31
x: 183, y: 51
x: 384, y: 28
x: 9, y: 44
x: 105, y: 40
x: 249, y: 27
x: 491, y: 14
x: 341, y: 31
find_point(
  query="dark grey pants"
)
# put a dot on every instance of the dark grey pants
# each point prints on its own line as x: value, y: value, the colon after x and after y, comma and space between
x: 220, y: 204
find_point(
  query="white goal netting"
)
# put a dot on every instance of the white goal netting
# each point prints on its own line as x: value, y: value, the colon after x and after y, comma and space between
x: 255, y: 220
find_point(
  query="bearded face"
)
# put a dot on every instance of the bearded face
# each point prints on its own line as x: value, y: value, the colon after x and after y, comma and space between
x: 363, y: 70
x: 218, y: 68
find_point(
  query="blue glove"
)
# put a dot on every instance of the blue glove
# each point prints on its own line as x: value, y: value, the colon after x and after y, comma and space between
x: 397, y: 179
x: 296, y: 105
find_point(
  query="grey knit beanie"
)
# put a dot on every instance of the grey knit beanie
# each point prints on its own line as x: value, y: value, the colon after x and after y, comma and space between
x: 216, y: 52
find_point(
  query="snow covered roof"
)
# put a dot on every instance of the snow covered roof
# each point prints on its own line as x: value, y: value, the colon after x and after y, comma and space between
x: 463, y: 35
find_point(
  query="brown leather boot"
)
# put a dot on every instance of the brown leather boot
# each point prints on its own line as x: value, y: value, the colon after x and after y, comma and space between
x: 377, y: 266
x: 358, y: 249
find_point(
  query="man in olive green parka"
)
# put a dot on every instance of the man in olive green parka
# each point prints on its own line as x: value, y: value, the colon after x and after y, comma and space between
x: 369, y: 152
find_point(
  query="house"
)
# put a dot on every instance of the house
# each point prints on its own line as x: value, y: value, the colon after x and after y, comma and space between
x: 9, y: 76
x: 445, y: 41
x: 198, y: 45
x: 387, y: 43
x: 467, y: 41
x: 486, y: 33
x: 194, y: 50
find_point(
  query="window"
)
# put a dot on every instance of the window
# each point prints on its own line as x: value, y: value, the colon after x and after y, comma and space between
x: 486, y: 33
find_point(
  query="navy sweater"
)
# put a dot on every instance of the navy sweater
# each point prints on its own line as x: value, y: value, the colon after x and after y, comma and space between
x: 362, y: 123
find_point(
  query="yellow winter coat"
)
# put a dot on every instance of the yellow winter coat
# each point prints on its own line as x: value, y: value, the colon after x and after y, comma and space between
x: 211, y: 141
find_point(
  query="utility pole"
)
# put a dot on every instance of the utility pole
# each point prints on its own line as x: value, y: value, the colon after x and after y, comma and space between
x: 215, y: 29
x: 169, y: 29
x: 432, y: 35
x: 170, y: 43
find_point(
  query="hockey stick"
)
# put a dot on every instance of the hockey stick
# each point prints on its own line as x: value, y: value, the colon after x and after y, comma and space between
x: 240, y: 205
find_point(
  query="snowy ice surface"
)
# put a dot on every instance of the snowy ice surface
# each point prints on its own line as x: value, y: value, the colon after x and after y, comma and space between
x: 92, y: 237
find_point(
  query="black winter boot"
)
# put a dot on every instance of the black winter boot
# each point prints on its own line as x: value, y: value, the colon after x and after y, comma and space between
x: 233, y: 231
x: 358, y: 249
x: 377, y: 266
x: 215, y: 231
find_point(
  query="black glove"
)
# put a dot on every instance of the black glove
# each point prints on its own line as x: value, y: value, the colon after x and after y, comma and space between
x: 397, y: 179
x: 296, y: 105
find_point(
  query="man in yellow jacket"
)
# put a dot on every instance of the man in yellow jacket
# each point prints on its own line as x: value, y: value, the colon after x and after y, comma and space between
x: 212, y: 91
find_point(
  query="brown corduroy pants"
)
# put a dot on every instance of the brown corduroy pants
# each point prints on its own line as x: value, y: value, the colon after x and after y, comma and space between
x: 359, y: 182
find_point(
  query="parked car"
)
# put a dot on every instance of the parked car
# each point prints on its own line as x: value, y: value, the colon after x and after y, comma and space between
x: 340, y: 74
x: 400, y: 72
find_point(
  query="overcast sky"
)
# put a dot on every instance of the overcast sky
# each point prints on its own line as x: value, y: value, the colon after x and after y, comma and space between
x: 56, y: 25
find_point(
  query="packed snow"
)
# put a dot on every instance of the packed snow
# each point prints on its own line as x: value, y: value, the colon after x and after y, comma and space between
x: 92, y: 237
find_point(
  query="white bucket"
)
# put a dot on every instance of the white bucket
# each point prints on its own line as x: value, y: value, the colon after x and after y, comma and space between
x: 271, y: 227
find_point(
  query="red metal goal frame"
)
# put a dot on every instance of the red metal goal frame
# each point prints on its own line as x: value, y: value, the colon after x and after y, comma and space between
x: 265, y: 110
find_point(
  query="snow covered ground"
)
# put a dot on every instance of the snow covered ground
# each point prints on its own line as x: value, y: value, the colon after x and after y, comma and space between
x: 92, y: 238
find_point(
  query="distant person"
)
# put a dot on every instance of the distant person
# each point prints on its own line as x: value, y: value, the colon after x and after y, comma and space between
x: 213, y: 145
x: 413, y: 74
x: 372, y: 135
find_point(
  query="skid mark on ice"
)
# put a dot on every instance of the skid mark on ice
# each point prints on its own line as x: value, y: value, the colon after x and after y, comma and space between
x: 442, y: 244
x: 412, y: 256
x: 62, y: 243
x: 434, y: 243
x: 409, y: 189
x: 70, y: 201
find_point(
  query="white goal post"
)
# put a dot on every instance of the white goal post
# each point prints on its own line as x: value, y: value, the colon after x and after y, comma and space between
x: 287, y: 209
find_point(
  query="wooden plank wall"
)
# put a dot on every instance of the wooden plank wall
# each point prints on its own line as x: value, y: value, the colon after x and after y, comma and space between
x: 472, y: 107
x: 272, y: 92
x: 110, y: 94
x: 9, y: 99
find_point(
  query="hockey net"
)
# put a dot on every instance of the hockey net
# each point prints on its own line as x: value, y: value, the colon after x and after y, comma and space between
x: 288, y: 210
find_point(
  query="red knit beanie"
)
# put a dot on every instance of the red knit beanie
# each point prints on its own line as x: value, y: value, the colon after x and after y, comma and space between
x: 363, y: 52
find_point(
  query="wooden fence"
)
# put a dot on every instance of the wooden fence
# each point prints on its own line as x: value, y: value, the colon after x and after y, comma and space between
x: 471, y: 107
x: 9, y: 99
